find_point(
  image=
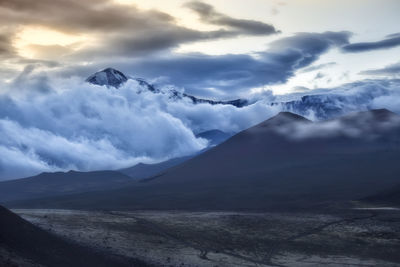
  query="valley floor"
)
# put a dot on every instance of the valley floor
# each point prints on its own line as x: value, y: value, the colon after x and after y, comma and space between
x: 354, y: 238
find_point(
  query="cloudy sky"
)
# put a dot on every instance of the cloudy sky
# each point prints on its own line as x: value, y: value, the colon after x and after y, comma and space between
x: 265, y: 50
x: 210, y: 48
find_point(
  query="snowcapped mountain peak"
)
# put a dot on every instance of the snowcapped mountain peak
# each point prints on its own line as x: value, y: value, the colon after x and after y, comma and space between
x: 114, y: 78
x: 109, y: 77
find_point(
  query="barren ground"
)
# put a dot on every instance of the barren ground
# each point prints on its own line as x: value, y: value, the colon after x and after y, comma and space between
x: 356, y: 238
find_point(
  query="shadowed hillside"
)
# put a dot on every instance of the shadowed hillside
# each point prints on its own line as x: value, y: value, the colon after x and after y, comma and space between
x: 284, y: 163
x: 23, y: 244
x: 142, y: 170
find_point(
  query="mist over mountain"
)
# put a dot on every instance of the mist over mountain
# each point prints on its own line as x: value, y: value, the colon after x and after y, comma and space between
x: 316, y: 104
x: 352, y: 97
x: 62, y: 124
x: 284, y: 163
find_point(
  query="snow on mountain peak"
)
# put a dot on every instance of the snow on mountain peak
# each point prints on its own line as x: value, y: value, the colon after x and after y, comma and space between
x: 109, y: 77
x: 113, y: 78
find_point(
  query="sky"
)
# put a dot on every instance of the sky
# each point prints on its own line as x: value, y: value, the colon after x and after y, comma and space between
x: 200, y: 41
x: 266, y: 51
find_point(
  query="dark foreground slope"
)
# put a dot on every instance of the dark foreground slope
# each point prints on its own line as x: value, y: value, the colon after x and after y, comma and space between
x: 23, y: 244
x: 284, y: 163
x: 60, y: 183
x: 143, y: 170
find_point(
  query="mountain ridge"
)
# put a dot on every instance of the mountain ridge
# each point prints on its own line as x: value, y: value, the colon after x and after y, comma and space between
x: 114, y: 78
x: 262, y: 168
x: 60, y: 183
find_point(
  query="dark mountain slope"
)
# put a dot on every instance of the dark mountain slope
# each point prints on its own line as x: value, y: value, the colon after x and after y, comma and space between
x: 284, y: 163
x: 108, y: 77
x: 142, y: 170
x: 60, y: 183
x: 32, y: 244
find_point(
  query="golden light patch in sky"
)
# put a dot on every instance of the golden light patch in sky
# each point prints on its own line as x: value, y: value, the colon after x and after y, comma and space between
x: 32, y: 35
x: 45, y: 36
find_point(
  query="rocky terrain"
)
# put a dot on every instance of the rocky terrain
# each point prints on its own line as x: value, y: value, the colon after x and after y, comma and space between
x: 352, y: 238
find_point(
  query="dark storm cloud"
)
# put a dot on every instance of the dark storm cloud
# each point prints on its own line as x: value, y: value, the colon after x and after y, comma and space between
x: 311, y: 45
x: 120, y: 30
x: 392, y: 40
x: 141, y: 42
x: 6, y: 48
x: 78, y: 15
x: 209, y: 15
x: 146, y: 43
x: 235, y: 73
x: 390, y: 70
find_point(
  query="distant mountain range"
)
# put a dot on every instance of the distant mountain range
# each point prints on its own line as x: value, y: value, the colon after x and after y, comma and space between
x: 113, y: 78
x: 320, y: 106
x: 143, y: 171
x: 284, y: 163
x: 60, y: 183
x: 64, y: 183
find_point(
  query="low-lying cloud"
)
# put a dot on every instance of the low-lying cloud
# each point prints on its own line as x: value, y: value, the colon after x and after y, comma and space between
x: 60, y: 124
x: 366, y: 126
x: 50, y: 124
x: 321, y: 104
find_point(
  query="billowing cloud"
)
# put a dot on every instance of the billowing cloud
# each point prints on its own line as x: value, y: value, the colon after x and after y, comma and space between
x: 83, y: 127
x: 50, y: 124
x: 390, y: 41
x: 60, y: 124
x: 208, y: 14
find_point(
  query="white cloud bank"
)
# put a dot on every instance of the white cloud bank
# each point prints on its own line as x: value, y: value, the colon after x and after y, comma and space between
x: 48, y: 125
x: 61, y: 124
